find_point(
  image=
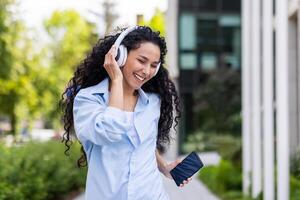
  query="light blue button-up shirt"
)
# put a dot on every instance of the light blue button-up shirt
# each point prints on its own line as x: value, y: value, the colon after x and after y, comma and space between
x: 118, y: 168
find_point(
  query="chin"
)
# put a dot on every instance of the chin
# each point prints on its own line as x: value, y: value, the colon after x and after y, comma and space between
x: 136, y: 86
x: 133, y: 84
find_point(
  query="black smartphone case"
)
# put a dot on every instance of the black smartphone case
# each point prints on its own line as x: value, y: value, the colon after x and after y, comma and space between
x: 187, y: 168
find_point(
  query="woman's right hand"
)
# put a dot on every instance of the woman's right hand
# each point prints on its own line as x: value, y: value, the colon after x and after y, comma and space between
x: 111, y: 65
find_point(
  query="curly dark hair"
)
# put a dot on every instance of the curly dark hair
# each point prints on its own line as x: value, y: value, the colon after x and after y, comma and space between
x: 91, y: 72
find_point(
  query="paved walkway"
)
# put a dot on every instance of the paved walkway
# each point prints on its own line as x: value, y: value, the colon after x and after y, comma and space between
x: 195, y: 190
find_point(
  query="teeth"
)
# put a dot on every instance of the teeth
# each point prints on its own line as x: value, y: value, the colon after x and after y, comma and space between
x: 139, y: 77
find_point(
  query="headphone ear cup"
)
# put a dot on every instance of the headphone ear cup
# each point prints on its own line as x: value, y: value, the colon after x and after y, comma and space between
x: 121, y: 56
x: 157, y: 68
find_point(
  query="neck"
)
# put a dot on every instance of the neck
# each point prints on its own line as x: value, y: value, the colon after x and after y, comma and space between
x: 128, y: 91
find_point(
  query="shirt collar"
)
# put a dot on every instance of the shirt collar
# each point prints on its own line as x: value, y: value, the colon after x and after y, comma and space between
x: 144, y: 97
x: 102, y: 88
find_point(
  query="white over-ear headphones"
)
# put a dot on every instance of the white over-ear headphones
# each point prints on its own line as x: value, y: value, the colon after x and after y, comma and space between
x: 122, y: 50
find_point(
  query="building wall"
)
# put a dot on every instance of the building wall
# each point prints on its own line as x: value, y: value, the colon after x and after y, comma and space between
x: 294, y: 76
x: 281, y: 111
x: 209, y: 38
x: 270, y: 69
x: 171, y: 39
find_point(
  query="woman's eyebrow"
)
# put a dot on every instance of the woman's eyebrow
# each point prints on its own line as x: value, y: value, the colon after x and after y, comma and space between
x: 144, y: 57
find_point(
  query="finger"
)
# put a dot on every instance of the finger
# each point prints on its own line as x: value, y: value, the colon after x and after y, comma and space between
x: 181, y: 185
x: 189, y: 179
x: 112, y: 55
x: 106, y: 66
x: 109, y: 62
x: 113, y: 61
x: 185, y: 182
x: 113, y: 51
x: 112, y: 48
x: 109, y: 53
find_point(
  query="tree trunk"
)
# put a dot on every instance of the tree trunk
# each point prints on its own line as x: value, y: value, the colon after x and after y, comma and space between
x: 13, y: 123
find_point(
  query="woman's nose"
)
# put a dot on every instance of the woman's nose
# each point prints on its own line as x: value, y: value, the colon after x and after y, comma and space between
x: 146, y: 70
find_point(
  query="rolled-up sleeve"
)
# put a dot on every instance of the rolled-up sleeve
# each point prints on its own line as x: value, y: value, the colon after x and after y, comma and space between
x: 97, y: 123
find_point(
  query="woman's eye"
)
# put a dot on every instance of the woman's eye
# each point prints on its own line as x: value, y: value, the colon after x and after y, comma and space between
x: 141, y: 61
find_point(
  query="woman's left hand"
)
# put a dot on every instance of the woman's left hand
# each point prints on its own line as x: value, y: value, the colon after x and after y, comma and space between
x: 168, y: 167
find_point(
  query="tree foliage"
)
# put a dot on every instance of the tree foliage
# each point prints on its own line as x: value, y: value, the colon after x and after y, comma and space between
x: 156, y: 22
x: 18, y: 97
x: 218, y: 101
x: 71, y: 37
x: 31, y: 82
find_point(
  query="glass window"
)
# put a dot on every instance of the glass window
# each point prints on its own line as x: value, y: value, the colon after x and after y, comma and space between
x: 208, y: 5
x: 230, y: 60
x: 187, y: 4
x: 188, y: 60
x: 187, y: 32
x: 207, y: 34
x: 209, y: 39
x: 208, y: 61
x: 230, y: 40
x: 198, y: 5
x: 231, y: 6
x: 230, y: 20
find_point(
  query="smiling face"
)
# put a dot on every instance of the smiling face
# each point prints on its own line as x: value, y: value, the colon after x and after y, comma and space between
x: 141, y: 65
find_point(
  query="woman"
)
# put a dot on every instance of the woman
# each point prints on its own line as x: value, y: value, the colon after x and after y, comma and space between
x: 122, y: 113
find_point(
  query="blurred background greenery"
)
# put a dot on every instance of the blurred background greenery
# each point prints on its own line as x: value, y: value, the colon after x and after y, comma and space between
x: 33, y: 75
x: 39, y: 171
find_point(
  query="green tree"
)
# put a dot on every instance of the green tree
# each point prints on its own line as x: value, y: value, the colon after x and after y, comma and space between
x: 218, y: 101
x: 5, y: 51
x: 18, y: 97
x: 71, y: 37
x: 157, y: 22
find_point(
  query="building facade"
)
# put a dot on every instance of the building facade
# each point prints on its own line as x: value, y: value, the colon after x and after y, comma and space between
x: 271, y: 92
x: 207, y: 35
x: 260, y: 37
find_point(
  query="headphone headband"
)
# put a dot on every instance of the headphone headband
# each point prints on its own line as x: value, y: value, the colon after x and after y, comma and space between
x: 123, y: 34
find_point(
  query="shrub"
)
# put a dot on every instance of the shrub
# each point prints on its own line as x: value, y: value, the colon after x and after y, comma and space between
x: 217, y: 101
x: 226, y: 181
x: 224, y: 177
x: 295, y: 188
x: 295, y: 164
x: 39, y: 171
x: 228, y: 146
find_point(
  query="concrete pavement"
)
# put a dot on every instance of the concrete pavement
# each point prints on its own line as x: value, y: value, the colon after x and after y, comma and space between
x: 195, y: 190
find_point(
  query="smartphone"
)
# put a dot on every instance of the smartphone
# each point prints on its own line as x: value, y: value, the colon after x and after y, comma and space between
x: 187, y: 168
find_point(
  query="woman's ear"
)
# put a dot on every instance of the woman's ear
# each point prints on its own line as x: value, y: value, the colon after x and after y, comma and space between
x: 157, y: 68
